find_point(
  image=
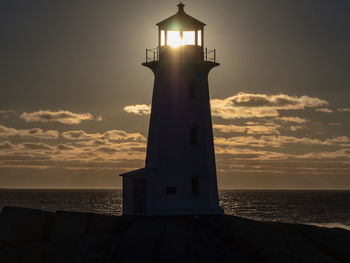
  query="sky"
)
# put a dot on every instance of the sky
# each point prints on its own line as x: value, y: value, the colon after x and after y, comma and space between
x: 74, y: 97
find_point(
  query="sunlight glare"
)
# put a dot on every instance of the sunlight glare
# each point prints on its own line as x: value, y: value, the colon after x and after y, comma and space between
x: 188, y: 38
x: 175, y: 40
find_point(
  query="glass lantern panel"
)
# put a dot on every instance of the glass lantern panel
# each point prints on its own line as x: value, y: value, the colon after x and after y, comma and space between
x: 188, y: 38
x: 162, y: 37
x: 199, y: 41
x: 174, y: 38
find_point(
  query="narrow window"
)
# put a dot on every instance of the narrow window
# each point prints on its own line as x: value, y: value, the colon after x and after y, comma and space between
x: 162, y: 37
x: 193, y: 136
x: 195, y: 185
x: 192, y: 90
x: 199, y: 32
x: 171, y: 190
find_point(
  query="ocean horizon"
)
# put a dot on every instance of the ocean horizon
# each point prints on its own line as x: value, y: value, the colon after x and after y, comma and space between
x: 327, y: 208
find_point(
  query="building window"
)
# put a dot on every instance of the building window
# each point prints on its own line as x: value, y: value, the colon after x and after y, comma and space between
x: 162, y: 37
x: 193, y: 136
x: 199, y: 36
x: 192, y: 90
x: 195, y: 186
x: 171, y: 190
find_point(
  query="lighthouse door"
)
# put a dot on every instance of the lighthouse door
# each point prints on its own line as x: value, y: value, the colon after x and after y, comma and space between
x: 140, y: 195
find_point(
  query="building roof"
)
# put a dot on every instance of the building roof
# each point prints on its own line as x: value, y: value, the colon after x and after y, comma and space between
x: 181, y: 20
x: 138, y: 172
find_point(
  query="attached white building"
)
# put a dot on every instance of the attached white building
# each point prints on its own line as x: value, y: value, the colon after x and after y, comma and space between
x: 180, y: 174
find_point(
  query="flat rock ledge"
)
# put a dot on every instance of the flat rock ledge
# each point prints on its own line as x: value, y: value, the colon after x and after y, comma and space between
x: 30, y: 235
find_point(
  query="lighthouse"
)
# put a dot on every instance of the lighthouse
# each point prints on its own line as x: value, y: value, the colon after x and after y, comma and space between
x: 179, y: 177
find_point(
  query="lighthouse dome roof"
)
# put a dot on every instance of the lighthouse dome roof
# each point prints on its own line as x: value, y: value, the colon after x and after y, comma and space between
x: 180, y: 21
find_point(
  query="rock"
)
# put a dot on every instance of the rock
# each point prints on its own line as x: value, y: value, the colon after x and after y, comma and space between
x: 95, y: 248
x: 102, y: 224
x: 33, y: 257
x: 91, y: 238
x: 139, y: 243
x: 63, y: 252
x: 334, y: 242
x: 24, y: 252
x: 20, y: 225
x: 173, y: 244
x: 69, y: 225
x: 273, y: 242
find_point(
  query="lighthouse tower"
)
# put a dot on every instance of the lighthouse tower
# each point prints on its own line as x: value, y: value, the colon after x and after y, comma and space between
x: 179, y: 176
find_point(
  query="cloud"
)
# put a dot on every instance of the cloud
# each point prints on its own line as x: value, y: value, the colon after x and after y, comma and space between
x: 325, y: 110
x: 80, y: 135
x: 74, y: 155
x: 341, y: 154
x: 119, y: 135
x: 230, y: 128
x: 6, y: 112
x: 244, y: 105
x: 36, y: 146
x: 278, y: 141
x: 219, y: 109
x: 108, y: 150
x: 6, y: 145
x: 292, y: 119
x: 295, y: 127
x: 338, y: 140
x: 254, y: 129
x: 64, y: 147
x: 344, y: 110
x: 112, y: 135
x: 280, y: 101
x: 33, y: 133
x: 139, y: 109
x: 61, y: 116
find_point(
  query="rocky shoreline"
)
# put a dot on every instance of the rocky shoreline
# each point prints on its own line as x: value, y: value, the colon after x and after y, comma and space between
x: 30, y: 235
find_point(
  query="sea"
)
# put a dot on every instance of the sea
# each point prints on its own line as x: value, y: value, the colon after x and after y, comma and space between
x: 315, y: 207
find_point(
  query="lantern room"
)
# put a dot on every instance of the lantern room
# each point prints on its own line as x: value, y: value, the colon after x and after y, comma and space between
x: 180, y: 36
x: 180, y: 30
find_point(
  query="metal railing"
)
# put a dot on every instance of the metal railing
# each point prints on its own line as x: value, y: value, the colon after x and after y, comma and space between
x: 210, y: 55
x: 152, y: 54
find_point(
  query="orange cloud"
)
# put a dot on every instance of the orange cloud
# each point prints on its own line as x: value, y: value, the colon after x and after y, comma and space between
x: 33, y: 133
x: 292, y: 119
x: 80, y: 135
x: 325, y: 110
x: 253, y: 129
x: 244, y: 105
x: 278, y: 141
x: 139, y: 109
x: 112, y: 135
x: 6, y: 145
x: 344, y: 110
x: 61, y: 116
